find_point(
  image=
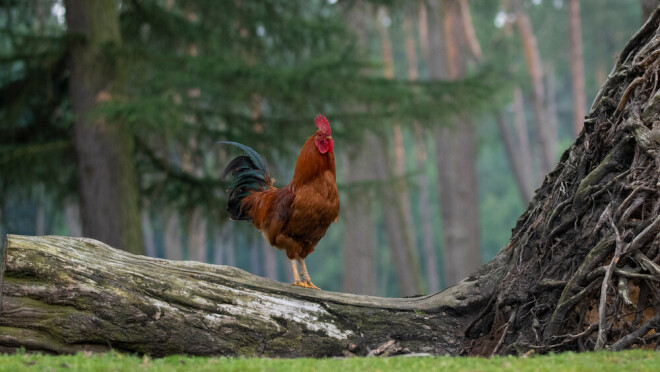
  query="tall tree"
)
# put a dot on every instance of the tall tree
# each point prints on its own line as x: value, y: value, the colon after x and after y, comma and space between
x: 357, y: 210
x: 358, y: 221
x: 396, y: 204
x: 533, y: 60
x: 172, y: 237
x: 428, y: 246
x: 516, y: 140
x: 577, y: 66
x: 106, y: 172
x: 455, y: 151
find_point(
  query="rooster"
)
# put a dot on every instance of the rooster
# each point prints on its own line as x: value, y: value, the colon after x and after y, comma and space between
x: 294, y: 217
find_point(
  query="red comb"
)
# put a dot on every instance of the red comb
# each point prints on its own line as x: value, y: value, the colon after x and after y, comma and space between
x: 323, y: 125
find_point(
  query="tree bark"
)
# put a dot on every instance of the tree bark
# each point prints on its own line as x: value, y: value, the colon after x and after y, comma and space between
x: 104, y: 151
x: 64, y: 295
x: 577, y: 66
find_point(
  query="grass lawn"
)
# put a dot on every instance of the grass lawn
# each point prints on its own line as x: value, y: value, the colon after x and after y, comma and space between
x: 635, y: 360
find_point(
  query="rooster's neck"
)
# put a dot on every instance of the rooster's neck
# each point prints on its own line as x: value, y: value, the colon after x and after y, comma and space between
x: 312, y: 164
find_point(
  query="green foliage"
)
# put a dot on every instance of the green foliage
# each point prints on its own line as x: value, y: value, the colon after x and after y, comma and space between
x: 35, y: 137
x: 196, y: 73
x: 634, y: 360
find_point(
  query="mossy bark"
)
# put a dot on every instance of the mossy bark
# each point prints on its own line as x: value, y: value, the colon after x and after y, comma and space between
x: 64, y: 295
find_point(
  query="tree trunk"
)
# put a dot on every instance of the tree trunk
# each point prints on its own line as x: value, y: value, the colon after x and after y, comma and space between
x: 72, y: 216
x: 577, y: 66
x: 172, y: 238
x: 398, y: 215
x: 516, y: 160
x: 223, y: 242
x: 268, y: 256
x: 399, y: 239
x: 533, y: 61
x: 104, y: 151
x: 358, y: 223
x: 456, y: 160
x: 357, y: 216
x: 196, y: 235
x: 148, y: 232
x: 428, y: 246
x: 551, y: 106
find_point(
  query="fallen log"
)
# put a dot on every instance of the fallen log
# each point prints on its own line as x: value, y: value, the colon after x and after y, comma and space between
x: 64, y: 295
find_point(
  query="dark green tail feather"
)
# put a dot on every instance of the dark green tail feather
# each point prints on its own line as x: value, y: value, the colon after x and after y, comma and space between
x: 249, y: 174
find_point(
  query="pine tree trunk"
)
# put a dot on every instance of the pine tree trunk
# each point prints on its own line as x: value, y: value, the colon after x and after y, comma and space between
x: 516, y: 160
x: 577, y: 66
x: 172, y: 238
x: 196, y: 235
x: 404, y: 257
x: 148, y: 233
x: 428, y: 246
x: 72, y: 215
x: 522, y: 135
x: 398, y: 216
x: 533, y: 60
x: 456, y: 159
x: 219, y: 246
x: 551, y: 106
x: 104, y: 151
x: 269, y: 259
x: 358, y: 223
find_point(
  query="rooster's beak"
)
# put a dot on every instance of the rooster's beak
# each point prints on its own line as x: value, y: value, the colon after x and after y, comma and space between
x: 328, y: 137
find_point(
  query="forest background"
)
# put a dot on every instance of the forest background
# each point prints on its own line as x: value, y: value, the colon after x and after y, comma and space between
x: 446, y: 116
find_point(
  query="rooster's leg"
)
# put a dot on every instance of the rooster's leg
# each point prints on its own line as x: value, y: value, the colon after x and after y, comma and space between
x: 305, y: 274
x: 296, y: 278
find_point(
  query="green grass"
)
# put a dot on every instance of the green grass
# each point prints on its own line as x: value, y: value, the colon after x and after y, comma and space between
x: 636, y: 360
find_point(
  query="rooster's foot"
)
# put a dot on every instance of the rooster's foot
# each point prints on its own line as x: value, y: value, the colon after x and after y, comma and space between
x: 300, y: 283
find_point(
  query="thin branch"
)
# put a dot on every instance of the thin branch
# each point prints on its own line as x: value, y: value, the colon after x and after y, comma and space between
x: 504, y: 333
x: 628, y: 340
x: 3, y: 264
x: 602, y: 320
x: 643, y: 237
x: 649, y: 265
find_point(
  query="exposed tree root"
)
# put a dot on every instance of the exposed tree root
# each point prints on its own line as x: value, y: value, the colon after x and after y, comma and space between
x: 599, y: 212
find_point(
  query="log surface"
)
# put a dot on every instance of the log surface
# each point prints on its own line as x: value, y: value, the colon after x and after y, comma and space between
x: 64, y: 295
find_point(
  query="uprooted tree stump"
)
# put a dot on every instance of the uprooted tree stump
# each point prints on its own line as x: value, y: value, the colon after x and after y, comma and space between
x: 579, y: 273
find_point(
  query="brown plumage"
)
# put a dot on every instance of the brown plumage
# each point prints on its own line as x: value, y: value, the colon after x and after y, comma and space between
x: 295, y: 217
